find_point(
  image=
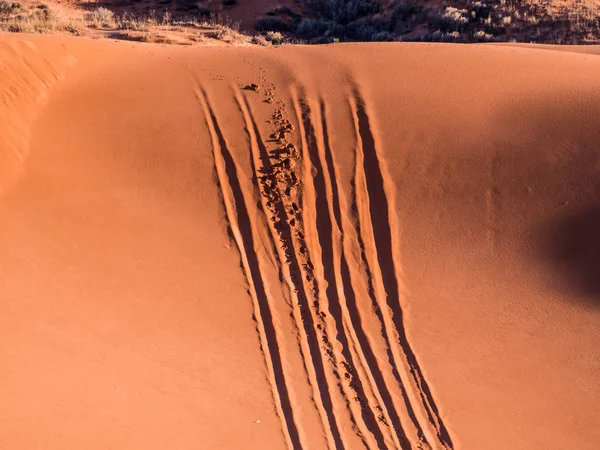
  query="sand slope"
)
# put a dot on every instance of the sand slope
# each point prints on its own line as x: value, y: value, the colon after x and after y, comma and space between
x: 385, y: 246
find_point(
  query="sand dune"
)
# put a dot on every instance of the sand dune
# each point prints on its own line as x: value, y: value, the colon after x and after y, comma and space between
x: 377, y: 246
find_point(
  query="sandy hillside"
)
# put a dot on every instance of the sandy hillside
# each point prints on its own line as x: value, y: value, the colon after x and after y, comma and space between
x: 376, y: 246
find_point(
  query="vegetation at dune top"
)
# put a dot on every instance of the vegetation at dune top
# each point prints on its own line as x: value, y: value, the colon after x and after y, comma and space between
x: 545, y: 21
x: 317, y: 21
x: 151, y: 27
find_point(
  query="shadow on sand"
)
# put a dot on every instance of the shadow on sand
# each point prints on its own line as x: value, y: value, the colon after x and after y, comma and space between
x: 572, y: 246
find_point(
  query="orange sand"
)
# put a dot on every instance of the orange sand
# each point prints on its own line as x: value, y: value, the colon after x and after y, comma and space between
x: 385, y: 246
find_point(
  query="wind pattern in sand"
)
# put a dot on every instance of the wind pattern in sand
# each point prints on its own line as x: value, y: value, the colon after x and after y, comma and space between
x: 322, y: 273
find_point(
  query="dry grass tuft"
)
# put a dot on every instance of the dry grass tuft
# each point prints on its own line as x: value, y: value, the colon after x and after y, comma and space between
x: 42, y: 19
x: 101, y: 18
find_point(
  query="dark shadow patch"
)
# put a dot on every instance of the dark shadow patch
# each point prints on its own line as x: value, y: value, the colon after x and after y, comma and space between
x: 571, y: 246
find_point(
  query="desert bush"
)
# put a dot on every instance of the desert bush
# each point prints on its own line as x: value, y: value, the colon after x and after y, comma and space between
x: 227, y: 30
x: 197, y: 37
x: 406, y: 16
x: 335, y: 30
x: 226, y: 35
x: 324, y: 40
x: 131, y: 23
x: 480, y: 10
x: 232, y: 36
x: 364, y: 33
x: 482, y: 36
x: 45, y: 15
x: 101, y: 17
x: 275, y: 37
x: 439, y: 36
x: 404, y: 10
x: 8, y: 8
x: 360, y: 30
x: 346, y: 11
x: 219, y: 21
x: 365, y: 28
x: 166, y: 19
x: 381, y: 22
x: 74, y: 27
x: 271, y: 24
x: 127, y: 36
x: 382, y: 36
x: 259, y: 40
x: 310, y: 28
x: 450, y: 19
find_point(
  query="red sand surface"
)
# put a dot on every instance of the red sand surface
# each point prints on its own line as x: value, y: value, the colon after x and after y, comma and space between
x: 380, y: 246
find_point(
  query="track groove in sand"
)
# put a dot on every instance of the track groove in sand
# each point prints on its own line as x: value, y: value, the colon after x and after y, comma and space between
x: 260, y: 162
x: 361, y: 340
x: 361, y: 398
x: 392, y: 411
x: 327, y: 214
x: 379, y: 222
x: 274, y: 192
x: 239, y: 221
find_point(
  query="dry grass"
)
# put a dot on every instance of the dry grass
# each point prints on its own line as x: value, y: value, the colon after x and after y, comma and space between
x: 100, y: 18
x: 560, y: 21
x: 37, y: 20
x: 226, y: 30
x: 16, y: 18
